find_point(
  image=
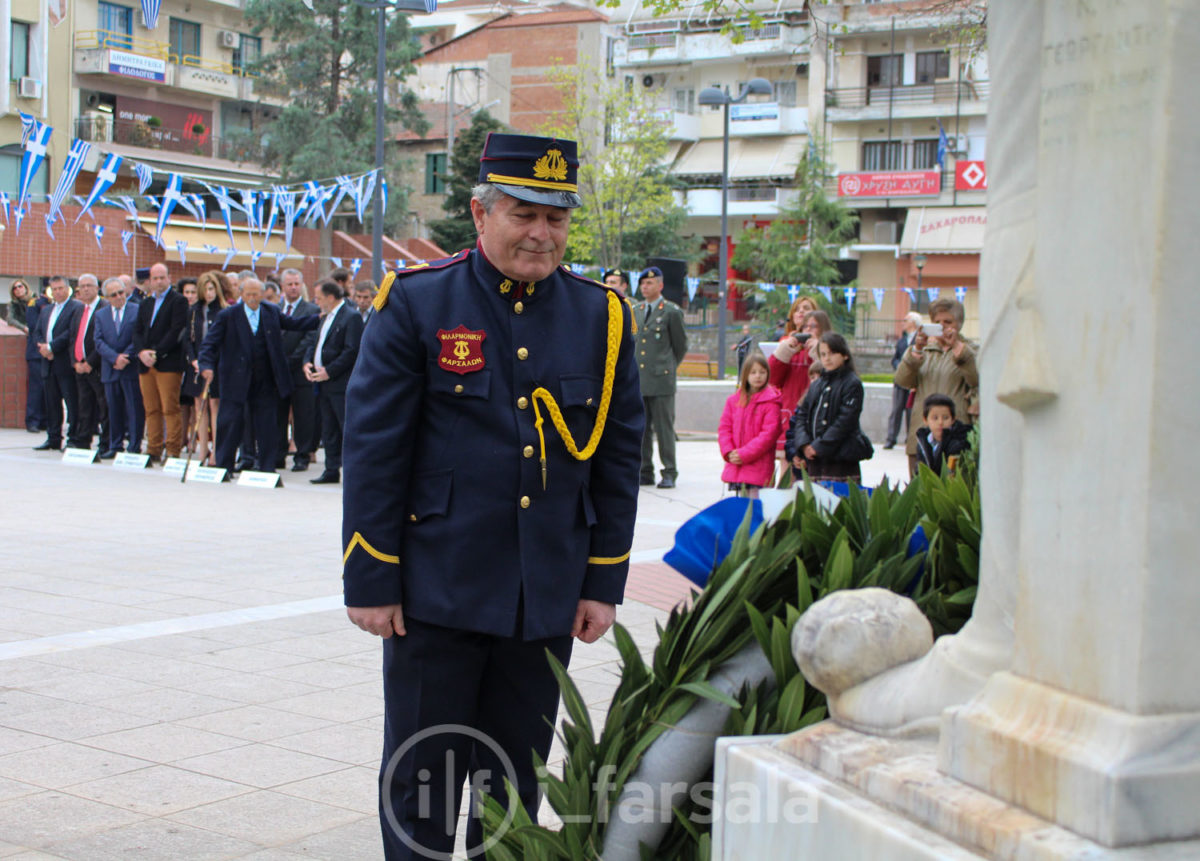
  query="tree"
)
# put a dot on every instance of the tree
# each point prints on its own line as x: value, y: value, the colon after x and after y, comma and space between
x: 323, y: 63
x: 622, y: 146
x: 458, y: 230
x: 801, y: 245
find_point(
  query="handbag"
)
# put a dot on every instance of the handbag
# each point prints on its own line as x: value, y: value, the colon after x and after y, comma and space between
x: 857, y: 447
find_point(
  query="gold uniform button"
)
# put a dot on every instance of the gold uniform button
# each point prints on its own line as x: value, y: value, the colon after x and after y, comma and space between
x: 522, y: 353
x: 525, y: 501
x: 522, y: 402
x: 518, y: 307
x: 458, y: 389
x: 413, y: 518
x: 641, y: 366
x: 527, y: 451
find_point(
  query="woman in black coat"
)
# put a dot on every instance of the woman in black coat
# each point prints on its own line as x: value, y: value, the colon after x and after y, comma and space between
x: 211, y: 288
x: 824, y: 437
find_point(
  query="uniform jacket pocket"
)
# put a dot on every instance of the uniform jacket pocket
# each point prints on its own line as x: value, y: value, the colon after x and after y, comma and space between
x: 580, y: 390
x: 476, y: 384
x: 429, y: 495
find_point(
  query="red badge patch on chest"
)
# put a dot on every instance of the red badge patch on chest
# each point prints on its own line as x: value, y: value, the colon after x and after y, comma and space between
x: 462, y: 349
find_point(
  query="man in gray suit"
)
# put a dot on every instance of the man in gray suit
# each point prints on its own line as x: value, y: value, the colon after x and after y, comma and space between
x: 661, y: 346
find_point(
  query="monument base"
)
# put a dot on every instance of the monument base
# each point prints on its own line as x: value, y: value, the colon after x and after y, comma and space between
x: 830, y: 792
x: 1118, y: 778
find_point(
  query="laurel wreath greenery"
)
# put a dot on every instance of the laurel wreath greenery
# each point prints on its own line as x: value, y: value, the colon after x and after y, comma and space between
x: 757, y: 593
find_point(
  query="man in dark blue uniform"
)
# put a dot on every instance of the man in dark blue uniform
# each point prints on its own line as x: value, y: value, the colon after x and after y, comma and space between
x: 492, y: 448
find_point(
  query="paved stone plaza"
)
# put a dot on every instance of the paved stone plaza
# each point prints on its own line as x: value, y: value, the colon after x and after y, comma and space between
x: 178, y: 679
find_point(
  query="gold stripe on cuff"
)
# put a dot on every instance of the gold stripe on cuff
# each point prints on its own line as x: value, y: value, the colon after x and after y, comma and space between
x: 608, y: 560
x: 359, y: 541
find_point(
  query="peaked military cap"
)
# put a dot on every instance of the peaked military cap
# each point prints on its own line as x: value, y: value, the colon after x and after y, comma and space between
x: 533, y: 169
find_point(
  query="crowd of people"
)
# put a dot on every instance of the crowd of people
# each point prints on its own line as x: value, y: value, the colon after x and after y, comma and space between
x: 235, y: 371
x: 804, y: 402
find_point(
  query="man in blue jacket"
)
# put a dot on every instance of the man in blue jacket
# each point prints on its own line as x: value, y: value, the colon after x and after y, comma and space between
x: 492, y: 448
x: 245, y: 342
x: 119, y: 371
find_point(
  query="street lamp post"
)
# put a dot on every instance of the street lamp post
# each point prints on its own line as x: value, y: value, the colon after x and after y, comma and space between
x: 717, y: 97
x: 382, y: 7
x: 919, y: 262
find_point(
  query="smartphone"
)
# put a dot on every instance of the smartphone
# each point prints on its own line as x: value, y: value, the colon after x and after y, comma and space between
x: 933, y: 330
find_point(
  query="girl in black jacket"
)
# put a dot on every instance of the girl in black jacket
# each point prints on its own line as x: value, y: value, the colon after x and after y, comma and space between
x: 823, y: 434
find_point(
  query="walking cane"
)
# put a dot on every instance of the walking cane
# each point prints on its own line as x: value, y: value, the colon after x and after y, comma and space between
x: 201, y: 415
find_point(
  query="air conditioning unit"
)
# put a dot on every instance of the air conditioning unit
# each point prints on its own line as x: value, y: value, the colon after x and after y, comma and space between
x: 885, y: 232
x: 652, y: 81
x: 29, y: 88
x: 229, y: 39
x: 960, y: 143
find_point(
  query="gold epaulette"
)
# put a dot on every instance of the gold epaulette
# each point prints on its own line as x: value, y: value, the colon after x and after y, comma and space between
x: 382, y: 296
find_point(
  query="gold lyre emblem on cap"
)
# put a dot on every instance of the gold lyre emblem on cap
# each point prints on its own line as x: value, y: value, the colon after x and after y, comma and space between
x: 551, y: 166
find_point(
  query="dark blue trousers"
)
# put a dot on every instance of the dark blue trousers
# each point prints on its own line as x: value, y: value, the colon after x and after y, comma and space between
x: 35, y: 395
x: 501, y: 688
x: 126, y: 415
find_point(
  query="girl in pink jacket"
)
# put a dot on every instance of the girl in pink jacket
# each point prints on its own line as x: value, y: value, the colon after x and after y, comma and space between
x: 749, y: 427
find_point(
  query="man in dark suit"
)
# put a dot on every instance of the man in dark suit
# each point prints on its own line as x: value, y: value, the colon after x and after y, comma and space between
x: 245, y: 345
x: 476, y: 539
x: 119, y: 371
x: 35, y: 390
x: 158, y: 344
x: 302, y: 402
x: 328, y: 365
x: 58, y: 375
x: 93, y: 408
x: 900, y: 408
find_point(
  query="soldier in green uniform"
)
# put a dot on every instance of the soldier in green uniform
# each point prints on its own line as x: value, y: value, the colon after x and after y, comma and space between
x: 661, y: 346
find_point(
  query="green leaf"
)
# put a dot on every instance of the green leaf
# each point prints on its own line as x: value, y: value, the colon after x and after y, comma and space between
x: 706, y: 690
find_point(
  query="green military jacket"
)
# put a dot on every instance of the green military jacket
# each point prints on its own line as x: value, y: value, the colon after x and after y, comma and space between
x: 661, y: 345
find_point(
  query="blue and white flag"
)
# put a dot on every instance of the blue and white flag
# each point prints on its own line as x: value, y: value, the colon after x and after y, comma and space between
x: 19, y: 216
x: 280, y: 256
x: 145, y: 176
x: 912, y: 297
x: 932, y: 293
x: 878, y: 293
x: 170, y: 197
x: 355, y: 265
x: 309, y: 206
x: 200, y: 209
x: 66, y: 179
x: 286, y: 200
x: 399, y: 263
x: 36, y: 142
x: 634, y: 278
x: 365, y: 191
x: 254, y: 257
x: 230, y: 253
x: 211, y: 249
x: 827, y: 293
x: 766, y: 286
x: 850, y: 294
x: 337, y: 262
x: 181, y: 247
x: 98, y: 232
x: 50, y: 224
x: 125, y: 202
x: 693, y: 284
x: 28, y: 124
x: 383, y: 189
x: 4, y: 204
x: 249, y: 199
x: 578, y: 268
x: 106, y: 176
x: 793, y: 292
x: 186, y: 202
x: 150, y: 13
x: 153, y: 201
x: 345, y: 185
x: 943, y: 146
x: 270, y: 224
x: 126, y: 235
x: 960, y: 293
x: 225, y: 203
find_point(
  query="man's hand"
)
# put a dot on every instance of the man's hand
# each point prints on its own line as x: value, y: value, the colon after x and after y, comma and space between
x: 121, y: 362
x: 207, y: 373
x: 810, y: 453
x: 81, y: 367
x: 592, y: 620
x: 147, y: 357
x: 44, y: 349
x: 382, y: 621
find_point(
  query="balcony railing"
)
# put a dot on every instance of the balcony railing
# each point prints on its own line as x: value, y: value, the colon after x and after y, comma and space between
x: 909, y: 94
x: 97, y: 39
x: 236, y: 146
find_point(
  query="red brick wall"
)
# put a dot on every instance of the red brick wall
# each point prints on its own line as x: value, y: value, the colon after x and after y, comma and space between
x: 12, y: 379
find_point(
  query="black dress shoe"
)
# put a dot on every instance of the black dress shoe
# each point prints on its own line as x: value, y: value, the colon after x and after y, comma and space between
x: 108, y: 455
x: 34, y: 429
x: 327, y: 477
x: 48, y: 446
x: 243, y: 465
x: 667, y: 482
x: 889, y: 446
x: 299, y: 465
x: 647, y: 482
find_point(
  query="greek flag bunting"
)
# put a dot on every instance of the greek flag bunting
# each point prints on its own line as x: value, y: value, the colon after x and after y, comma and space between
x: 186, y: 202
x: 912, y: 297
x: 201, y: 211
x: 248, y: 207
x: 766, y: 286
x: 254, y: 257
x: 105, y: 177
x: 286, y: 200
x: 366, y: 188
x: 150, y: 13
x: 878, y: 293
x: 578, y: 268
x: 827, y: 293
x: 4, y: 204
x: 153, y: 201
x: 125, y: 202
x: 66, y: 179
x: 50, y: 224
x: 693, y: 284
x: 31, y: 160
x: 960, y: 293
x: 230, y: 253
x: 126, y: 235
x: 355, y: 265
x: 225, y: 203
x: 399, y: 263
x: 270, y: 225
x: 211, y: 249
x: 18, y: 217
x: 337, y: 261
x: 345, y: 185
x: 28, y: 124
x: 850, y: 294
x: 793, y: 292
x: 98, y: 232
x: 181, y: 247
x: 932, y: 293
x: 280, y: 256
x: 145, y: 176
x: 383, y: 189
x: 170, y: 197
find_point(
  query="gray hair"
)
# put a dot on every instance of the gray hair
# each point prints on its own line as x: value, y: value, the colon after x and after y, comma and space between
x: 913, y: 317
x: 113, y: 280
x: 487, y: 194
x: 245, y: 275
x: 295, y: 272
x: 251, y: 281
x: 90, y: 277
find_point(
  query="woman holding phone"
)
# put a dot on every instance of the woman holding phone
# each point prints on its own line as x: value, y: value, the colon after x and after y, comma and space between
x: 939, y: 362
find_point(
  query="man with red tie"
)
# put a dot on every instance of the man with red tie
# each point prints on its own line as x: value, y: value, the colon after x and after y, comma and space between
x: 54, y: 344
x: 85, y: 358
